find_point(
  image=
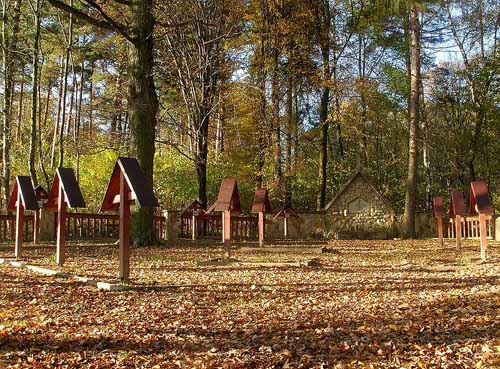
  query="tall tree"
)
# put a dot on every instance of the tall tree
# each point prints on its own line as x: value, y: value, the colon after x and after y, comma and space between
x: 195, y: 47
x: 323, y: 24
x: 336, y: 24
x: 137, y: 29
x: 36, y: 8
x: 474, y: 27
x: 64, y: 92
x: 414, y: 111
x: 9, y: 47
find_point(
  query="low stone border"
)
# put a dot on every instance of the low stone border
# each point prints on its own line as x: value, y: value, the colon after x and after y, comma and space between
x: 225, y: 262
x: 55, y: 273
x: 312, y: 250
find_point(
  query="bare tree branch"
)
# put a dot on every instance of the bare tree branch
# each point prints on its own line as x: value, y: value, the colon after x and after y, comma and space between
x: 106, y: 23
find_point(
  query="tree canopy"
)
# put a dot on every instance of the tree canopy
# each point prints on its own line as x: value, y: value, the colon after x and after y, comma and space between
x: 288, y: 95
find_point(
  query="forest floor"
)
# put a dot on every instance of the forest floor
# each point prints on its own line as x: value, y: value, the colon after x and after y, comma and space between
x: 364, y: 304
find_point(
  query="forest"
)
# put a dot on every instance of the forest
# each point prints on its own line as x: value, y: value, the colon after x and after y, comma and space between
x: 287, y: 94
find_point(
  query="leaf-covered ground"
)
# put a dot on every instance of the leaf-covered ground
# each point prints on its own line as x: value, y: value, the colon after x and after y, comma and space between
x: 367, y: 304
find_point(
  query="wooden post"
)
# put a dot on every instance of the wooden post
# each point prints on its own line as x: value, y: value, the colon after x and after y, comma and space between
x: 262, y: 221
x: 458, y: 232
x: 226, y: 226
x: 223, y: 228
x: 61, y: 227
x: 124, y: 230
x: 19, y: 225
x: 194, y: 227
x: 36, y: 227
x: 484, y: 244
x: 285, y: 225
x: 440, y: 230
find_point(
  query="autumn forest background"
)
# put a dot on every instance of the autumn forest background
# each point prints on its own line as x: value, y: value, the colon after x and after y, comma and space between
x: 286, y: 94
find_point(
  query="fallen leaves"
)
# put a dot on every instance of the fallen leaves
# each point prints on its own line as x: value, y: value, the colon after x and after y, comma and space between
x: 369, y: 304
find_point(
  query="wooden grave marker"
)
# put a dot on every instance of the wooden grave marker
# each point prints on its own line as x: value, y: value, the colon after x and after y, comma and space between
x: 480, y: 203
x: 193, y: 210
x: 438, y: 213
x: 41, y: 198
x: 457, y: 211
x: 127, y: 186
x: 261, y: 206
x: 22, y: 198
x: 65, y: 193
x: 228, y: 201
x: 286, y: 212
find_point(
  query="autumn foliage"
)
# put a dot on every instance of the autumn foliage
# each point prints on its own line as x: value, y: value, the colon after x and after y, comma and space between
x: 362, y: 304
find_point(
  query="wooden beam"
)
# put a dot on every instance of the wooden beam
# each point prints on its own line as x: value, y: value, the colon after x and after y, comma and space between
x: 194, y: 228
x: 61, y: 227
x: 285, y: 226
x: 458, y: 232
x: 124, y: 230
x: 130, y: 196
x: 262, y: 221
x: 19, y: 226
x: 226, y: 226
x: 36, y: 227
x: 484, y: 242
x: 440, y: 230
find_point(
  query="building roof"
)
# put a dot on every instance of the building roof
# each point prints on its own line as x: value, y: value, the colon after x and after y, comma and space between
x: 142, y: 191
x: 24, y: 187
x: 65, y: 177
x: 437, y: 207
x: 457, y: 205
x: 349, y: 182
x: 261, y: 202
x: 479, y: 198
x: 286, y: 209
x: 188, y: 210
x: 229, y: 197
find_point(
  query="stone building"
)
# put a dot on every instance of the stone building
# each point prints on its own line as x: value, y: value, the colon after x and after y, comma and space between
x: 359, y: 211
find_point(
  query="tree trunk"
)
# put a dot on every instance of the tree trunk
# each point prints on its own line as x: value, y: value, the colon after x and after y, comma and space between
x: 117, y: 101
x: 425, y: 150
x: 70, y: 119
x: 143, y: 106
x: 336, y: 101
x: 324, y: 127
x: 78, y: 116
x: 34, y: 95
x: 13, y: 49
x: 262, y: 117
x: 41, y: 128
x: 221, y: 115
x: 411, y: 183
x: 201, y: 160
x: 91, y: 98
x: 364, y: 107
x: 288, y: 142
x: 9, y: 43
x: 65, y: 88
x: 58, y: 118
x: 275, y: 101
x: 20, y: 111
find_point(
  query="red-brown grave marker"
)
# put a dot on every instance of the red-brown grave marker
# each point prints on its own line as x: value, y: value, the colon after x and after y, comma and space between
x: 228, y: 201
x: 438, y: 213
x: 480, y: 203
x: 65, y: 193
x: 22, y: 198
x: 261, y: 206
x: 41, y: 198
x: 128, y: 185
x: 194, y: 210
x: 457, y: 211
x: 286, y: 212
